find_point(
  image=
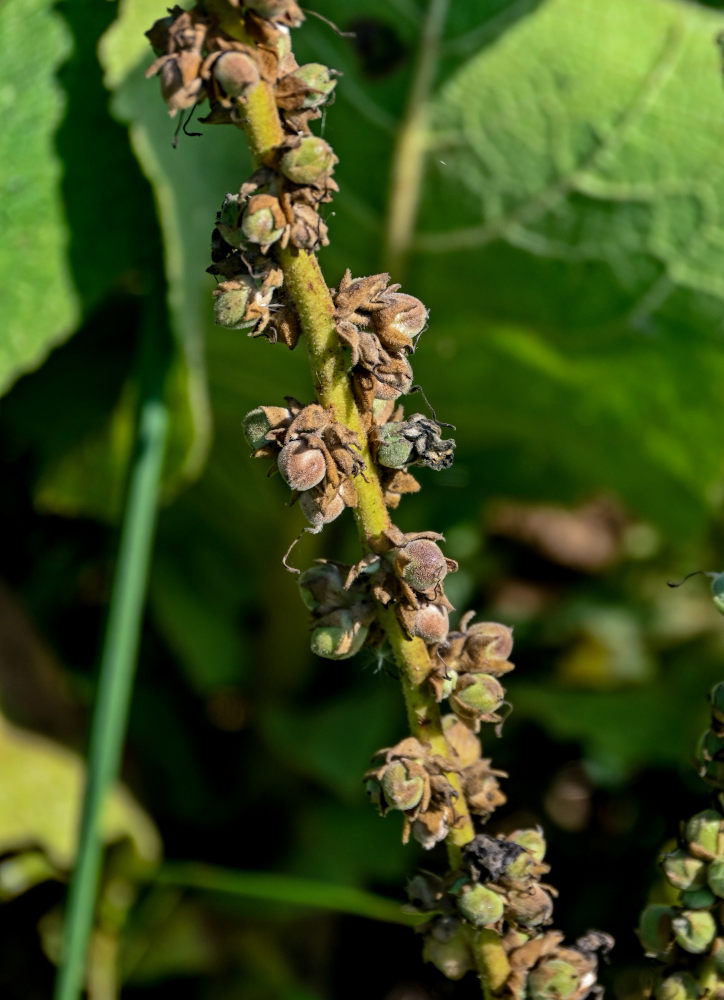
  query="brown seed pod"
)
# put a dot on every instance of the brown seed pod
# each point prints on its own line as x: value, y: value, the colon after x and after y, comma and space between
x: 301, y: 466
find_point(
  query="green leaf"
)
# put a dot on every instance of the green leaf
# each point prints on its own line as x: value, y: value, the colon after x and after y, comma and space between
x: 40, y: 304
x: 40, y: 796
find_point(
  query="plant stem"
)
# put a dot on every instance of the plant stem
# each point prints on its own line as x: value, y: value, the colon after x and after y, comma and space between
x: 288, y: 889
x: 409, y: 154
x: 315, y: 307
x: 119, y: 654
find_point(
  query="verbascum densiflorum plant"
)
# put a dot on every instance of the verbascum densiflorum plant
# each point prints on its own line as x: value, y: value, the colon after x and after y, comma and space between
x: 687, y: 936
x: 352, y: 446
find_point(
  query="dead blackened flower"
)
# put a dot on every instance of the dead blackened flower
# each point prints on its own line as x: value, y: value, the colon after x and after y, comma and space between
x: 414, y: 441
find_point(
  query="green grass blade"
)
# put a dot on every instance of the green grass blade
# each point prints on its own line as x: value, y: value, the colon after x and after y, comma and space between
x: 119, y: 654
x: 289, y: 889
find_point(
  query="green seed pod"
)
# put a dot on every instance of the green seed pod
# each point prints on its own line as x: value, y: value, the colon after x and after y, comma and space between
x: 678, y: 986
x: 682, y: 871
x: 704, y: 832
x: 401, y: 790
x: 484, y: 694
x: 318, y: 81
x: 301, y: 466
x: 335, y: 642
x: 715, y: 877
x: 520, y: 869
x: 655, y: 931
x: 697, y: 899
x: 228, y: 220
x: 694, y: 930
x: 322, y: 586
x: 431, y: 623
x: 530, y: 907
x: 451, y: 957
x: 421, y: 564
x: 308, y: 162
x: 236, y: 73
x: 260, y: 223
x: 231, y: 300
x: 256, y: 426
x: 481, y: 906
x: 532, y: 840
x: 394, y: 450
x: 553, y: 979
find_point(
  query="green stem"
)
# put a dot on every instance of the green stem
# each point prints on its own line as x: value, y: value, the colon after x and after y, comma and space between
x: 313, y: 301
x: 118, y: 659
x: 287, y: 889
x: 409, y: 155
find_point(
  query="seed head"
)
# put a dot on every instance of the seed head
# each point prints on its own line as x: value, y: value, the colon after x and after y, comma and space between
x: 529, y: 907
x: 308, y: 162
x: 301, y: 466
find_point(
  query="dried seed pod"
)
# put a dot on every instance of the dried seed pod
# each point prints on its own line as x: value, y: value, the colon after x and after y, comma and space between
x: 694, y: 930
x: 319, y: 508
x: 430, y: 624
x: 400, y: 321
x: 530, y: 907
x: 480, y: 905
x: 236, y: 73
x: 553, y: 979
x: 421, y: 564
x: 180, y: 84
x: 402, y: 790
x: 678, y: 986
x: 309, y: 161
x: 705, y: 834
x: 301, y: 466
x: 683, y: 871
x: 450, y: 955
x: 655, y: 930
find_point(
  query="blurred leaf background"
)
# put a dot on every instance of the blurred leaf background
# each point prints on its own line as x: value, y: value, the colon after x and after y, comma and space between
x: 569, y: 241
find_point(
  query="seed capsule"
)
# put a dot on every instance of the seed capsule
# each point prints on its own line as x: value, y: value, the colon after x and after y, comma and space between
x: 400, y: 322
x: 308, y: 162
x: 320, y: 511
x: 256, y: 426
x: 431, y: 623
x: 553, y: 979
x: 694, y: 930
x: 484, y: 693
x: 697, y: 899
x: 529, y: 907
x: 334, y: 642
x: 261, y: 222
x: 322, y: 587
x: 394, y: 450
x: 228, y: 220
x: 317, y: 82
x: 678, y: 986
x: 301, y: 466
x: 655, y: 931
x: 704, y: 832
x: 451, y: 957
x: 421, y: 564
x: 231, y: 300
x: 710, y: 757
x: 481, y: 906
x: 532, y: 840
x: 236, y: 73
x: 401, y: 790
x: 683, y: 871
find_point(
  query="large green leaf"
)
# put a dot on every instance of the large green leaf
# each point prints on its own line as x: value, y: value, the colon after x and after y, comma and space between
x: 38, y: 312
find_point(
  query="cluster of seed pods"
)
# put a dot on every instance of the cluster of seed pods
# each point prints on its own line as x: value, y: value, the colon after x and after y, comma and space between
x: 687, y: 935
x: 275, y: 213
